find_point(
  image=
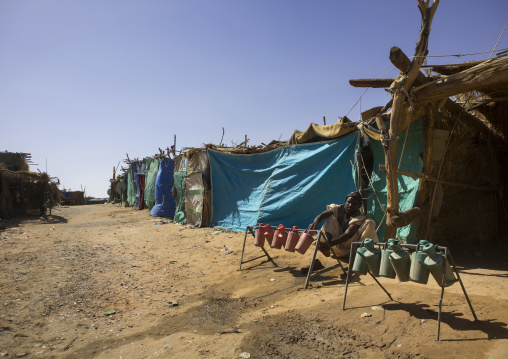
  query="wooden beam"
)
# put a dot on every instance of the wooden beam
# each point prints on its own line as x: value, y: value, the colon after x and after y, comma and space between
x: 405, y: 218
x: 490, y: 73
x: 450, y: 205
x: 374, y: 83
x: 401, y: 61
x: 453, y: 68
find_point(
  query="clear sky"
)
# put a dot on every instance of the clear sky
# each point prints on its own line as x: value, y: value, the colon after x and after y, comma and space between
x: 84, y: 82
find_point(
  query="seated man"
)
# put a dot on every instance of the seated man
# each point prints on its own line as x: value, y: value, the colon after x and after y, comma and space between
x: 344, y: 224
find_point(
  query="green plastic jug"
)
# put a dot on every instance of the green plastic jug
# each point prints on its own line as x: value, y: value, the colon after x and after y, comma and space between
x: 419, y: 272
x: 372, y: 256
x: 434, y: 263
x: 386, y: 268
x: 360, y: 265
x: 400, y: 261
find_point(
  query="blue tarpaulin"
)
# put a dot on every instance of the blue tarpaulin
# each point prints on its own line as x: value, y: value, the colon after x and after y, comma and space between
x: 289, y: 186
x: 164, y: 201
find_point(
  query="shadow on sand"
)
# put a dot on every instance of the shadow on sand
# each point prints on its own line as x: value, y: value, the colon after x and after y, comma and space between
x: 456, y: 320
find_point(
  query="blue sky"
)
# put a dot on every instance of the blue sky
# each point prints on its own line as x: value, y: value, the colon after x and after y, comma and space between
x: 84, y: 82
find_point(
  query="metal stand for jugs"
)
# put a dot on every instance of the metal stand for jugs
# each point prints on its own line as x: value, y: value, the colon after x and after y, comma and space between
x: 447, y: 255
x: 251, y: 230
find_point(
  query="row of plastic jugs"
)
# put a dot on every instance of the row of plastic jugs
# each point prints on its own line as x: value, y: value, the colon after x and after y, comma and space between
x: 277, y: 238
x: 393, y: 260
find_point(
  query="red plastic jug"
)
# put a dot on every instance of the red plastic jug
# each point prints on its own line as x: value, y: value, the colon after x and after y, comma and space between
x: 259, y: 238
x: 292, y: 239
x: 305, y: 241
x: 269, y: 232
x: 279, y: 237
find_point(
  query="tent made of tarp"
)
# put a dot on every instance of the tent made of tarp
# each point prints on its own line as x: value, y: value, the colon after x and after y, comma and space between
x: 293, y: 184
x: 164, y: 201
x: 121, y: 188
x: 151, y: 171
x: 180, y: 196
x: 316, y: 133
x: 195, y: 198
x: 289, y: 185
x: 131, y: 188
x: 139, y: 182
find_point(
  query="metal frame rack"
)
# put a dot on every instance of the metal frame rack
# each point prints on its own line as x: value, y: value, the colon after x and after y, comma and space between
x: 447, y: 255
x: 251, y: 230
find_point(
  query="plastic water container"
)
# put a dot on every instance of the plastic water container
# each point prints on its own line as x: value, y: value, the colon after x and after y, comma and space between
x: 400, y: 260
x: 434, y: 263
x: 372, y: 256
x: 292, y: 240
x: 360, y: 265
x: 279, y: 237
x: 418, y: 271
x: 386, y: 269
x: 305, y: 241
x: 259, y: 238
x: 269, y: 232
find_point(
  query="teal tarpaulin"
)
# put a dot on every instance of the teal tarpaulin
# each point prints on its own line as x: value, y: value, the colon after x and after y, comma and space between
x: 151, y: 170
x: 289, y: 186
x: 409, y: 157
x: 180, y: 196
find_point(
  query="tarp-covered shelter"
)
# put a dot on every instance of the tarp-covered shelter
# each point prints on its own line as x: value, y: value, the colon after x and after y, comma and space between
x: 73, y: 198
x: 131, y: 188
x: 121, y: 188
x: 179, y: 190
x: 24, y: 192
x: 138, y: 170
x: 291, y: 184
x: 288, y: 185
x: 197, y: 185
x: 463, y: 110
x: 151, y: 170
x: 432, y: 163
x: 164, y: 201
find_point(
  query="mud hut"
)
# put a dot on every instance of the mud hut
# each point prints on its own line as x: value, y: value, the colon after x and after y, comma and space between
x: 23, y: 192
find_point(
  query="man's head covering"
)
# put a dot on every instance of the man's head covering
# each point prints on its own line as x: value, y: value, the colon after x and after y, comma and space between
x: 355, y: 195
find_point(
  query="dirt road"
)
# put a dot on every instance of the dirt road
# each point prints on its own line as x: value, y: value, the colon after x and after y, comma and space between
x: 107, y: 282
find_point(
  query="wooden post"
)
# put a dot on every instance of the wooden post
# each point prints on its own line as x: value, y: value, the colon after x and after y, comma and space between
x: 428, y: 169
x: 174, y: 147
x: 390, y: 144
x: 391, y: 149
x: 324, y: 121
x: 220, y: 144
x: 374, y: 83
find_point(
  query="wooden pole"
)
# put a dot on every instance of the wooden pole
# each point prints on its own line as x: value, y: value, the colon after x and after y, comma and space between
x: 174, y: 147
x: 390, y: 144
x: 374, y: 83
x: 220, y: 144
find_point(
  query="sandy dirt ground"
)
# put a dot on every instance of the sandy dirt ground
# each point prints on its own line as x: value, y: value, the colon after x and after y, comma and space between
x: 109, y: 282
